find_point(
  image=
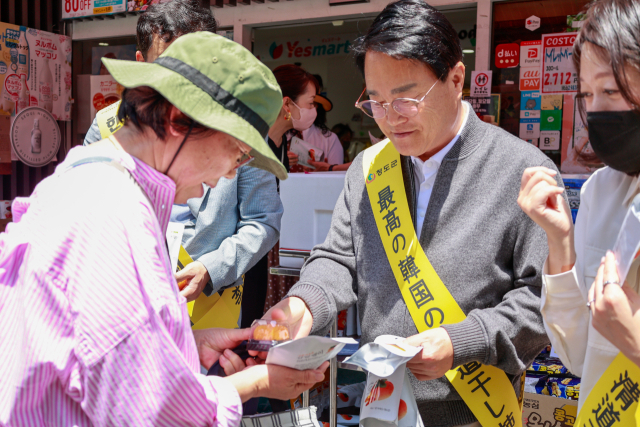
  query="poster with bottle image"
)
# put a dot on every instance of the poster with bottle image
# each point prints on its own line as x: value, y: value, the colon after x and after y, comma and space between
x: 35, y: 71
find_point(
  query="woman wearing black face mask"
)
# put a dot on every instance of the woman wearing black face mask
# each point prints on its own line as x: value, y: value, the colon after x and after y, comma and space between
x: 583, y: 301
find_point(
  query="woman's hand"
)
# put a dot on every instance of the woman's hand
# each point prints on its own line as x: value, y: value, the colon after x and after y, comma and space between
x: 616, y: 310
x: 275, y: 381
x: 319, y: 166
x: 293, y: 158
x: 541, y: 199
x: 212, y: 343
x: 196, y: 276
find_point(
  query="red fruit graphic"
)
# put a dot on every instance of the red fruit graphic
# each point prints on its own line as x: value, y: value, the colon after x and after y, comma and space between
x: 346, y: 417
x: 275, y: 50
x: 343, y: 397
x: 383, y: 389
x: 402, y: 409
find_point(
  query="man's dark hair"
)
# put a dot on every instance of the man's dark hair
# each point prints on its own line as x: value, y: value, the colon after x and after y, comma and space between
x: 171, y: 20
x: 613, y: 28
x: 411, y: 29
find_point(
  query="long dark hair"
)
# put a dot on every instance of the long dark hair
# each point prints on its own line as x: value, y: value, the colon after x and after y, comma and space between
x: 613, y: 28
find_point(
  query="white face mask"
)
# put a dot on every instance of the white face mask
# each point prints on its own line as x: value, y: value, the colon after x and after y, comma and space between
x: 307, y: 117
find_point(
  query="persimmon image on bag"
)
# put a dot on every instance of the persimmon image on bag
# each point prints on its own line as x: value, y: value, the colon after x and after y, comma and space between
x: 343, y: 397
x: 402, y: 409
x: 382, y: 389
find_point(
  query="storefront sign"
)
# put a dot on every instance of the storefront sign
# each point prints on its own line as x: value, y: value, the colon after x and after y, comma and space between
x: 481, y: 84
x: 507, y: 55
x: 530, y: 78
x: 551, y: 102
x: 532, y: 23
x: 80, y: 8
x: 531, y: 54
x: 551, y: 120
x: 529, y: 128
x: 297, y: 48
x: 35, y: 136
x: 529, y: 115
x: 558, y: 73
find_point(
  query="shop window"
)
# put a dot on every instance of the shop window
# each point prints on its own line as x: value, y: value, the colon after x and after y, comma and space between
x: 518, y: 25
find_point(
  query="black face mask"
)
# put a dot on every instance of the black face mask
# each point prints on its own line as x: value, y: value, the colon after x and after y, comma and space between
x: 615, y: 138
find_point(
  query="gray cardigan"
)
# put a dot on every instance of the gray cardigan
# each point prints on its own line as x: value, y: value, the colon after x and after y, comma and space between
x: 484, y: 248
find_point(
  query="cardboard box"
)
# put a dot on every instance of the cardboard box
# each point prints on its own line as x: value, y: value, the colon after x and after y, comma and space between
x: 542, y: 411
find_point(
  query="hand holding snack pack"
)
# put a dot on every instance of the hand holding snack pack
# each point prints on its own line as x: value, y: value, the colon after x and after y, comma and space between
x: 305, y: 353
x: 388, y: 398
x: 306, y: 152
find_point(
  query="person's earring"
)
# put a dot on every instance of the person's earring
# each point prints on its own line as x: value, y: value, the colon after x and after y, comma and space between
x: 287, y: 116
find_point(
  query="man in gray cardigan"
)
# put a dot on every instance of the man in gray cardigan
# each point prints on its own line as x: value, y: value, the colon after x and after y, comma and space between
x: 462, y: 178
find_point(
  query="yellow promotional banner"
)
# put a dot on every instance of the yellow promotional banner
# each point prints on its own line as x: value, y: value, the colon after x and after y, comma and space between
x: 107, y: 119
x: 485, y: 389
x: 215, y: 311
x: 614, y: 399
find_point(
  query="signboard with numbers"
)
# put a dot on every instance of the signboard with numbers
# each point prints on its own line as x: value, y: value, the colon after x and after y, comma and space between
x: 559, y: 76
x: 80, y: 8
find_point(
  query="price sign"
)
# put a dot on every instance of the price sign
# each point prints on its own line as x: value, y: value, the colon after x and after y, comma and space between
x: 79, y: 8
x: 559, y: 76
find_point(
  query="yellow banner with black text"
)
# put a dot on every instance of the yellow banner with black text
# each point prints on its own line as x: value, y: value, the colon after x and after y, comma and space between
x: 485, y: 389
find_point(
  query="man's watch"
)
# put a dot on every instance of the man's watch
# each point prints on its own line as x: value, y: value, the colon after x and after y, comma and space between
x: 331, y: 168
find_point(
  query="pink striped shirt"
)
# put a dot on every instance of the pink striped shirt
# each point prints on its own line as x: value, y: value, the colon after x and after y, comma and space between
x: 93, y: 330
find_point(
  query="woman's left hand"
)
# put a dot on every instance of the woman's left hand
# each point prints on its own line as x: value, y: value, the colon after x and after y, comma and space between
x: 196, y: 276
x: 615, y: 310
x: 212, y: 343
x: 319, y: 166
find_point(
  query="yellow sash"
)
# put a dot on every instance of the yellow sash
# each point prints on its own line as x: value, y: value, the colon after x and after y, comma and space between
x: 215, y: 311
x: 107, y: 119
x: 485, y: 389
x: 614, y: 398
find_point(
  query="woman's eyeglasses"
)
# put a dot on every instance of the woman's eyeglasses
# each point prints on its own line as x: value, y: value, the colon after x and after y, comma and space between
x: 407, y: 107
x: 245, y: 158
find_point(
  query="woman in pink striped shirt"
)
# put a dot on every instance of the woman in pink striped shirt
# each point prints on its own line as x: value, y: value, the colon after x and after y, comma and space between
x: 94, y: 330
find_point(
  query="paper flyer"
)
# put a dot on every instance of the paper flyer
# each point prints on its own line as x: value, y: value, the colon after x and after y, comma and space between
x: 306, y: 353
x: 306, y: 152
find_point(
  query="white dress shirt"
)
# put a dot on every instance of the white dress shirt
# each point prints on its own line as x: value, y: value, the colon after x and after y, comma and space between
x: 425, y: 173
x: 604, y: 201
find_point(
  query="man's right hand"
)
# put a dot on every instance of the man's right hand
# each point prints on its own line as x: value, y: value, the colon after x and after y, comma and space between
x: 293, y: 311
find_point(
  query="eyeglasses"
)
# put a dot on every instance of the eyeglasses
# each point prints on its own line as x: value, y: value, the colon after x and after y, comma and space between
x: 245, y: 158
x: 407, y: 107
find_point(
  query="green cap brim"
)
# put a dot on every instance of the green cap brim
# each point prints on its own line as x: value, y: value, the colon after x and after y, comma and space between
x: 198, y: 105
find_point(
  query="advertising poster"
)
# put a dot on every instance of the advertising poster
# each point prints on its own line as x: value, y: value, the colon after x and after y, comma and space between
x: 80, y: 8
x: 529, y: 115
x: 559, y: 76
x: 35, y: 71
x: 487, y: 109
x: 575, y: 139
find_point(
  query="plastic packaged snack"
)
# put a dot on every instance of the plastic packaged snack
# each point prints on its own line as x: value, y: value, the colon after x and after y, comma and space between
x: 388, y: 398
x: 535, y: 383
x: 268, y: 333
x: 566, y: 388
x: 551, y: 366
x: 350, y: 395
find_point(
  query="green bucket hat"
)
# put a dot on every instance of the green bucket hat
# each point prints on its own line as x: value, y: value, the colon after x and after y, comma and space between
x: 217, y: 83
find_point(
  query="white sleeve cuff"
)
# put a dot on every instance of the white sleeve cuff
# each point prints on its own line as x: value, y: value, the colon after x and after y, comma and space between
x: 562, y: 289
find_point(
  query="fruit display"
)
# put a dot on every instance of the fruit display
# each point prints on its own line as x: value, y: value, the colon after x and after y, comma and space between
x: 267, y: 333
